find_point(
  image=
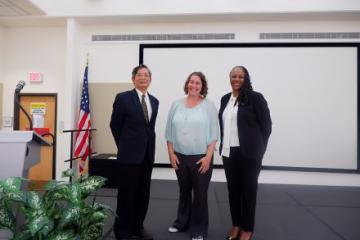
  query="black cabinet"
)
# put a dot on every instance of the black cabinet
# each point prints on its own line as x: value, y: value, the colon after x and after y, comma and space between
x: 104, y: 165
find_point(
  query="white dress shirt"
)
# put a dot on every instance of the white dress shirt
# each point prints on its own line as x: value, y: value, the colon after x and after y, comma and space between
x: 147, y: 101
x: 231, y: 136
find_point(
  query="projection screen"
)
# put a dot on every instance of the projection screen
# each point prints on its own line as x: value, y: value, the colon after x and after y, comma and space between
x: 311, y: 90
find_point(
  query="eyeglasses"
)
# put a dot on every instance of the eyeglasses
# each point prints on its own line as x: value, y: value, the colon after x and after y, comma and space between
x: 142, y: 75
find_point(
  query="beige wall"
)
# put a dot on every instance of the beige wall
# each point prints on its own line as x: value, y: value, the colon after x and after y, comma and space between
x: 1, y: 103
x: 102, y: 96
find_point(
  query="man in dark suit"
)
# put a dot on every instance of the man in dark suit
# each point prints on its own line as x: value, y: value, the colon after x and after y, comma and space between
x: 133, y: 127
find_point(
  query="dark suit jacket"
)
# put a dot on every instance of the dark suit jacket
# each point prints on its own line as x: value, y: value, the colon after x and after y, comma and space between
x: 253, y: 122
x: 132, y: 135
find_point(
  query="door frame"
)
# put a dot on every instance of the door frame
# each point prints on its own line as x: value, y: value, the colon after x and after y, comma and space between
x: 17, y: 122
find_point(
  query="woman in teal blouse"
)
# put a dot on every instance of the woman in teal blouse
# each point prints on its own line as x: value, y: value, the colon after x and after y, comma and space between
x: 191, y: 134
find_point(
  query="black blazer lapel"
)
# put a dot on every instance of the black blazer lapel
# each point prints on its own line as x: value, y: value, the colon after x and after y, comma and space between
x: 224, y: 102
x: 154, y: 107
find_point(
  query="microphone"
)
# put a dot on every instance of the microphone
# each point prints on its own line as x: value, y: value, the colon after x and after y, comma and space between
x: 19, y: 86
x: 17, y: 105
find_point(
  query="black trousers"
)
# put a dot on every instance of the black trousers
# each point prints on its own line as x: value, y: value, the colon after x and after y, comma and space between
x: 133, y: 197
x: 193, y: 204
x: 242, y: 180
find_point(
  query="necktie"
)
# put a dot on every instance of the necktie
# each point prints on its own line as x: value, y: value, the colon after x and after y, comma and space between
x: 144, y: 107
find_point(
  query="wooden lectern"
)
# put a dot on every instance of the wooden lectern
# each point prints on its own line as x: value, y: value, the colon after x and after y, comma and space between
x: 19, y: 151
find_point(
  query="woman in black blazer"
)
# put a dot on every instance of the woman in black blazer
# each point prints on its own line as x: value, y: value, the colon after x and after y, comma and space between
x: 245, y: 126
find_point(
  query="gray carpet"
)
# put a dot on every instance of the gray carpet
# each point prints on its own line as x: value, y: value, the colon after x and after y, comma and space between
x: 284, y: 212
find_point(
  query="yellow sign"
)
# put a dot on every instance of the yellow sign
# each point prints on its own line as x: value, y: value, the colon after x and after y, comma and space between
x: 38, y: 108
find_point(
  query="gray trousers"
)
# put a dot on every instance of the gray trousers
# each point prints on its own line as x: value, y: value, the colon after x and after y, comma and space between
x: 193, y: 204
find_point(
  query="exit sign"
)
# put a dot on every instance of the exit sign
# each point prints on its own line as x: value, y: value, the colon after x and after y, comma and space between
x: 35, y: 77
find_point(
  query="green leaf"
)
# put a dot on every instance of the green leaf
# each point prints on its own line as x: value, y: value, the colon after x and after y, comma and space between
x: 36, y: 224
x: 70, y: 193
x: 91, y: 184
x: 97, y: 217
x: 50, y: 198
x: 48, y: 227
x: 33, y: 200
x: 70, y: 216
x: 61, y: 235
x: 52, y: 185
x: 59, y: 214
x: 23, y: 235
x: 60, y: 193
x: 7, y: 219
x: 68, y: 173
x: 11, y: 184
x: 55, y: 210
x: 100, y: 206
x: 92, y: 232
x: 75, y: 194
x: 15, y: 196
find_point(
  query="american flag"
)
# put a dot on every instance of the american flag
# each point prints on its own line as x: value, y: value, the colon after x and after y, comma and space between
x: 82, y: 137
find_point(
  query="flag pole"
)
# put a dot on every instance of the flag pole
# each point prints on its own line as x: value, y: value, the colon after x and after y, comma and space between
x: 82, y: 147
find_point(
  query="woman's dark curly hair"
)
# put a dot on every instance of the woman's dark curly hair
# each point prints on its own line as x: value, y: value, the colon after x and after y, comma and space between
x: 204, y: 87
x: 243, y: 96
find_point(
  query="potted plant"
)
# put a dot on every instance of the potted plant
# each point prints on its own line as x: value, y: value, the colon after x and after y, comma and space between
x: 60, y: 212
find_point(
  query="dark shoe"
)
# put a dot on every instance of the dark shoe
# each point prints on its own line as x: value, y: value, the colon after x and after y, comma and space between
x: 145, y: 235
x: 134, y: 237
x: 125, y: 236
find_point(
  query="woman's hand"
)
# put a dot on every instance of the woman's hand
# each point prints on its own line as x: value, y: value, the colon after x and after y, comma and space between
x: 174, y: 161
x: 204, y: 164
x: 206, y: 161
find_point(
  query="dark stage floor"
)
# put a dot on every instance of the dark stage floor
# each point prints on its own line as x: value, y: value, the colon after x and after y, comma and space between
x: 284, y: 212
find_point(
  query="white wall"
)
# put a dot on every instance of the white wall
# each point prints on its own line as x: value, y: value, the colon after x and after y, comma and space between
x: 35, y: 50
x: 2, y: 40
x: 246, y: 31
x: 113, y: 61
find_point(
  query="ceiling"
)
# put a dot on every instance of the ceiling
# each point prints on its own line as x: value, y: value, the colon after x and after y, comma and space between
x: 11, y: 8
x: 25, y: 13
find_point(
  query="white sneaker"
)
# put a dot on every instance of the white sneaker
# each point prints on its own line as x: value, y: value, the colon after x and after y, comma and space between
x: 173, y: 229
x: 198, y: 238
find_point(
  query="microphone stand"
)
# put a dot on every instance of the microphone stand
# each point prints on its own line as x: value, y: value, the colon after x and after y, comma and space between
x: 17, y: 105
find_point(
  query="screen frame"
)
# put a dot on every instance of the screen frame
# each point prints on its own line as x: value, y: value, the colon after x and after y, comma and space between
x: 142, y: 48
